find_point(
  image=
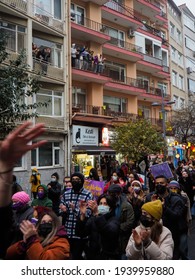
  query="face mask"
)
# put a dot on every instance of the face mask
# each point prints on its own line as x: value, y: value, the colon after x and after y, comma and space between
x: 53, y: 180
x: 173, y: 190
x: 146, y: 222
x: 44, y: 229
x: 114, y: 178
x: 103, y: 209
x: 17, y: 205
x: 77, y: 186
x: 190, y: 169
x: 137, y: 190
x: 40, y: 195
x: 34, y: 173
x: 160, y: 189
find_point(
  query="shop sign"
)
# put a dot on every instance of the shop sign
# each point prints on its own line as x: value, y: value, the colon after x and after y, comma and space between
x: 85, y: 135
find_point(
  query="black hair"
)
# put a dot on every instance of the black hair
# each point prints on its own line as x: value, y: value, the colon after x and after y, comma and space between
x: 161, y: 176
x: 109, y: 199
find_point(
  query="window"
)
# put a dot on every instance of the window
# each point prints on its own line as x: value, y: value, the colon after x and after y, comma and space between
x: 173, y: 53
x: 47, y: 155
x: 115, y: 104
x: 189, y: 22
x: 117, y: 37
x: 174, y: 78
x: 163, y: 88
x: 175, y: 105
x: 191, y: 85
x: 180, y: 82
x: 77, y: 14
x: 56, y: 51
x: 179, y: 37
x: 180, y: 59
x: 17, y: 36
x: 190, y: 44
x: 79, y: 97
x: 54, y: 100
x: 172, y: 29
x: 116, y: 71
x: 49, y: 8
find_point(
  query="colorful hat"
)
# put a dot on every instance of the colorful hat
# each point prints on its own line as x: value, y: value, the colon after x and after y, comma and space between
x: 22, y: 197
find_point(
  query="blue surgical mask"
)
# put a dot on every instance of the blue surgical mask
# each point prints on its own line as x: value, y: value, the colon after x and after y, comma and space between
x: 114, y: 178
x: 103, y: 209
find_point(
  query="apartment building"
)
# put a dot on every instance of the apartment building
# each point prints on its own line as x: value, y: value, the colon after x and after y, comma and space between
x: 189, y: 50
x: 43, y: 24
x: 130, y: 38
x: 177, y: 64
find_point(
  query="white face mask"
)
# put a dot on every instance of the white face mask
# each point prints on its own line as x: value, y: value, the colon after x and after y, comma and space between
x: 53, y: 179
x: 103, y: 209
x: 114, y: 178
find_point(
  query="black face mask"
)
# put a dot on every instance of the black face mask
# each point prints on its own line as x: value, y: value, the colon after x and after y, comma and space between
x: 44, y: 229
x: 145, y: 221
x: 160, y: 189
x: 77, y: 186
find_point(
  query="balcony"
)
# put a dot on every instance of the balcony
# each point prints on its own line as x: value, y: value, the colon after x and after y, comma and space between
x: 123, y: 50
x: 16, y: 5
x: 98, y: 2
x: 153, y: 32
x: 42, y: 17
x: 52, y: 123
x: 150, y: 64
x: 103, y: 115
x: 125, y: 85
x: 45, y: 18
x: 88, y: 30
x: 47, y: 70
x: 89, y: 74
x: 147, y: 8
x: 120, y: 14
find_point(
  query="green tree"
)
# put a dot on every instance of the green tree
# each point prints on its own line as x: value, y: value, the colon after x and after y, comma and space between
x: 17, y: 89
x: 137, y: 139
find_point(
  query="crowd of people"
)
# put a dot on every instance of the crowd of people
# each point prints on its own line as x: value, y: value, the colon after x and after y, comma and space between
x: 85, y: 59
x: 127, y: 221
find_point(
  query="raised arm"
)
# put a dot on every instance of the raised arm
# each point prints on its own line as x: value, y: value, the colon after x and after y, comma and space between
x: 12, y: 148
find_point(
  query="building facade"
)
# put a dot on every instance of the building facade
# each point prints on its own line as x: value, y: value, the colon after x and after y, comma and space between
x: 43, y: 25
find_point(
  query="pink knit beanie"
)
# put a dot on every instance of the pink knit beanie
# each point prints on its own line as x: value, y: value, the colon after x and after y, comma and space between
x: 22, y: 197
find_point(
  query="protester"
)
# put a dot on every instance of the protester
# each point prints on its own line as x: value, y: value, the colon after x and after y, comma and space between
x: 21, y: 211
x: 42, y: 197
x: 54, y: 192
x: 45, y: 241
x: 150, y: 240
x: 70, y: 211
x: 35, y: 180
x: 12, y: 148
x: 102, y: 228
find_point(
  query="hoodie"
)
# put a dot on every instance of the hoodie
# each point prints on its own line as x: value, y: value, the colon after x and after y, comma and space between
x: 45, y: 201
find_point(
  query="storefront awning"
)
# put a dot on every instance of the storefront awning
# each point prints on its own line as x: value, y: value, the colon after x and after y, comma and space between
x: 92, y: 150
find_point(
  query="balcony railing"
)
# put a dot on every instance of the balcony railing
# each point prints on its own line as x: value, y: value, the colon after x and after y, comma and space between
x: 46, y: 69
x: 108, y: 73
x: 117, y: 116
x: 122, y: 9
x: 125, y: 45
x: 19, y: 5
x: 153, y: 60
x: 38, y: 13
x: 88, y: 23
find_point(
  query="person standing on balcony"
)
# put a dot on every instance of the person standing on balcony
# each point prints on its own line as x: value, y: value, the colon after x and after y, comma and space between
x: 73, y: 55
x: 101, y: 64
x: 44, y: 56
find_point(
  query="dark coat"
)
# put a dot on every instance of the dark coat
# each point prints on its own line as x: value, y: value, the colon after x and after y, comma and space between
x: 103, y: 232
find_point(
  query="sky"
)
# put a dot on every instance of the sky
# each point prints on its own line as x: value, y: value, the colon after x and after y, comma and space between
x: 190, y: 4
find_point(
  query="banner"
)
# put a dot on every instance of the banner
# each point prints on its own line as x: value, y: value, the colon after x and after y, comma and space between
x: 161, y: 169
x: 95, y: 187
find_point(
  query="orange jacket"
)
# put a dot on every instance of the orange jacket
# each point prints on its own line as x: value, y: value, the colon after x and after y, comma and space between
x: 58, y: 249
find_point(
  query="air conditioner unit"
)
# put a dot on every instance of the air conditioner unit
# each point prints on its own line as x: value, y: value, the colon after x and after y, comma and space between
x: 130, y: 33
x: 189, y: 70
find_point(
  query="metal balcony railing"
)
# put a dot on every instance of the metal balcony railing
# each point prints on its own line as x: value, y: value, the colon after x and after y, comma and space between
x: 117, y: 116
x: 108, y: 73
x: 153, y: 60
x: 88, y: 23
x: 125, y: 45
x: 122, y: 9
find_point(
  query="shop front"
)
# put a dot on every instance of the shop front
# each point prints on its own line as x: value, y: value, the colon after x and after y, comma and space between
x: 88, y: 150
